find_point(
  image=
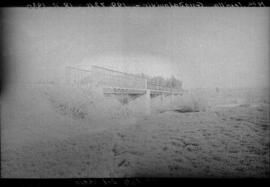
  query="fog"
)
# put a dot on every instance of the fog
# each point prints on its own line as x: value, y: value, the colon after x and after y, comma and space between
x: 204, y: 47
x: 59, y: 122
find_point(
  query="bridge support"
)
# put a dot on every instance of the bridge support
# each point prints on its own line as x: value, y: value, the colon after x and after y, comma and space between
x: 148, y: 102
x: 161, y: 98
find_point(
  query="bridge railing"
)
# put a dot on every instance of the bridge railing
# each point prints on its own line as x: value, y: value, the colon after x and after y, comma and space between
x: 104, y: 77
x: 155, y: 86
x: 152, y: 86
x: 77, y: 76
x: 112, y: 78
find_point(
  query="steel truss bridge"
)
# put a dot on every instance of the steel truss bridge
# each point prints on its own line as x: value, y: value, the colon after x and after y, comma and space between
x: 119, y: 83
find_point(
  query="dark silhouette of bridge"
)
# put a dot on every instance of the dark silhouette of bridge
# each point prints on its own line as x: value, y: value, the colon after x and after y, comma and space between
x: 120, y: 83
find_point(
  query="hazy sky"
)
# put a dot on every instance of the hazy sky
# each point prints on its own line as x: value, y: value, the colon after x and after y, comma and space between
x: 204, y: 47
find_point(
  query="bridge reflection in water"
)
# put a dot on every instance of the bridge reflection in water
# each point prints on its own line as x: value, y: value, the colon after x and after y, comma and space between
x: 124, y: 85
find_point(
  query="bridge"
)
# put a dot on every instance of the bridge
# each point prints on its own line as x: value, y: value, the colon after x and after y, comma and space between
x: 114, y: 82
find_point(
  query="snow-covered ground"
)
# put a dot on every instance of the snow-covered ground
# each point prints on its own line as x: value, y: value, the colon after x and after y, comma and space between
x: 56, y: 131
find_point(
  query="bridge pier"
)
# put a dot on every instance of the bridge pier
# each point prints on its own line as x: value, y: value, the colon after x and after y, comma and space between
x: 161, y: 98
x: 148, y: 101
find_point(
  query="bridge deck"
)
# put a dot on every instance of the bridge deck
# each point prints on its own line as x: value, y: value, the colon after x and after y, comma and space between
x: 117, y: 90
